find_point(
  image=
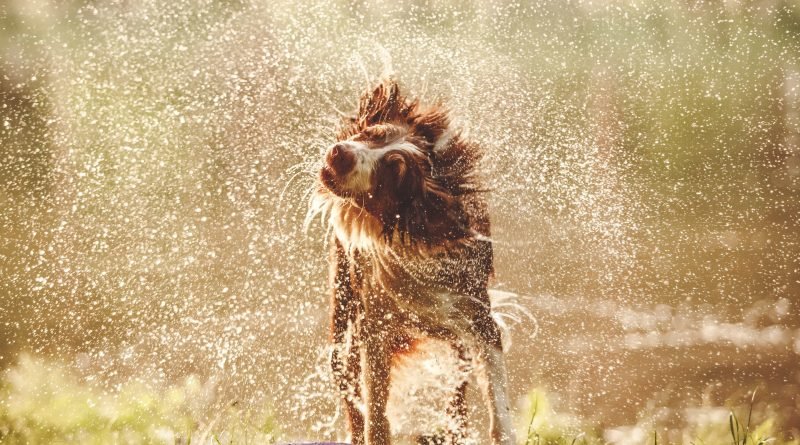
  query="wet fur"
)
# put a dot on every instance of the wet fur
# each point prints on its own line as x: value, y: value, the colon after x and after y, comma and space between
x: 410, y: 261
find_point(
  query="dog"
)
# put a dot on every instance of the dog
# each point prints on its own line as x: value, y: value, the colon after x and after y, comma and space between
x: 410, y: 258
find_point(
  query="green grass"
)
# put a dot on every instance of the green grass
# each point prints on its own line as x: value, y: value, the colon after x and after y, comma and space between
x: 45, y: 402
x: 545, y: 426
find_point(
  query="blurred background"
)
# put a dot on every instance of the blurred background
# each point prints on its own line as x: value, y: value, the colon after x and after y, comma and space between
x: 156, y: 284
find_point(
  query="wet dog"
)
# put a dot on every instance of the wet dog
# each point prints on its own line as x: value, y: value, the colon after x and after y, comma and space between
x: 411, y: 258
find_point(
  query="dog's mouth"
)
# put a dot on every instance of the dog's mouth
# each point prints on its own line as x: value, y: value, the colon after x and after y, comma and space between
x: 327, y: 178
x: 331, y: 182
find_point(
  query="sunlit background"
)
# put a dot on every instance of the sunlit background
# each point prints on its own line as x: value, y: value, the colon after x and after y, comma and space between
x: 156, y: 284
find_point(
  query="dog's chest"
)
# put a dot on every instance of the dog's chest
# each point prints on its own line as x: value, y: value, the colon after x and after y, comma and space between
x: 421, y: 294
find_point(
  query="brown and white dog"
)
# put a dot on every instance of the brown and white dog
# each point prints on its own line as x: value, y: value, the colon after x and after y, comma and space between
x: 410, y: 260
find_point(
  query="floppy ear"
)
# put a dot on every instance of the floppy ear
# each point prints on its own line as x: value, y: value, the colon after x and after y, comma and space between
x: 396, y: 166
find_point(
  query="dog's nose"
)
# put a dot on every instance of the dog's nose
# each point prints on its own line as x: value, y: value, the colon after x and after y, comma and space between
x: 341, y: 159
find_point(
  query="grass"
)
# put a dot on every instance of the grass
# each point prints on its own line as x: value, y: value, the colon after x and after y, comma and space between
x: 547, y: 427
x: 45, y: 402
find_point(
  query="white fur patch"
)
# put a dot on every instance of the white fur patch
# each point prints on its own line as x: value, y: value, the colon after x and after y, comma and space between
x: 355, y: 228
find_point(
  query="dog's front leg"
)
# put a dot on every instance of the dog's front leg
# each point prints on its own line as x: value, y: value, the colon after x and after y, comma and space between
x: 492, y: 380
x: 346, y: 310
x: 493, y: 386
x: 346, y: 365
x: 376, y: 388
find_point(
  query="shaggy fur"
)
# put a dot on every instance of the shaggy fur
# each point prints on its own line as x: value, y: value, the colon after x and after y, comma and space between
x: 410, y: 258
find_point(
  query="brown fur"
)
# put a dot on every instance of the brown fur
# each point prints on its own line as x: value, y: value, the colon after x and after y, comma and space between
x: 410, y: 259
x: 433, y: 211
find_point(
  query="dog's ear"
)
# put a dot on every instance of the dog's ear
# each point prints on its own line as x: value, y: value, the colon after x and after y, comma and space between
x: 396, y: 167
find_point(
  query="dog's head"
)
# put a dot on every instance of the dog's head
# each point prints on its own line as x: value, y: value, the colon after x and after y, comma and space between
x: 401, y: 165
x: 383, y: 163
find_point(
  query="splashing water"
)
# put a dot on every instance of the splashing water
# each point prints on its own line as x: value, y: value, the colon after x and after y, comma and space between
x: 643, y: 164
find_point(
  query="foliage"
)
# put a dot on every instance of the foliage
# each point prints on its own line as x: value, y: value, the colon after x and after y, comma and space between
x: 706, y: 425
x: 46, y: 403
